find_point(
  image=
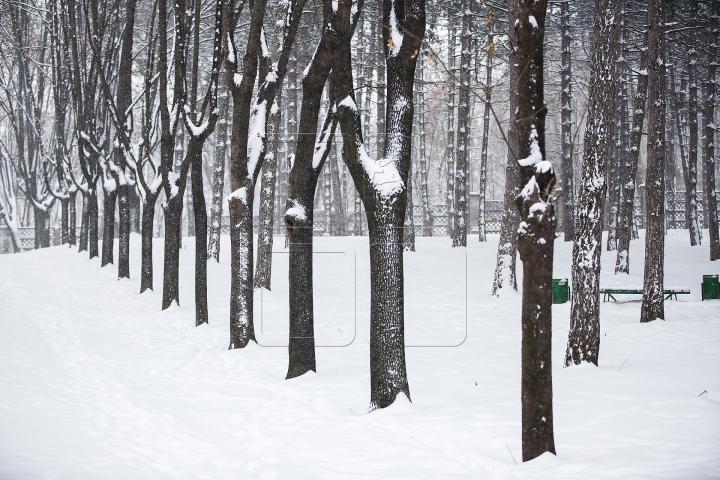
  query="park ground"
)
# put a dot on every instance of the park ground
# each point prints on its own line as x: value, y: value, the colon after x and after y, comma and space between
x: 97, y: 383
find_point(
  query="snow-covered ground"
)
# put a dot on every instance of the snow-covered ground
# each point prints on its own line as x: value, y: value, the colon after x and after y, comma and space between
x: 97, y: 383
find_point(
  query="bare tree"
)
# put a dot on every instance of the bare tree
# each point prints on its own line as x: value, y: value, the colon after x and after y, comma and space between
x: 382, y: 183
x: 584, y: 335
x: 653, y: 304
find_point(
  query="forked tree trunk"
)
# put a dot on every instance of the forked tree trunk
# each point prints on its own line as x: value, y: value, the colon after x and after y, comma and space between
x: 653, y: 303
x: 42, y: 232
x: 385, y: 202
x: 310, y: 155
x: 584, y: 336
x: 195, y: 147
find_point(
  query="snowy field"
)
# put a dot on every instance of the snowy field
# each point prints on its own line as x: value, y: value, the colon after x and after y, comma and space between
x: 97, y: 383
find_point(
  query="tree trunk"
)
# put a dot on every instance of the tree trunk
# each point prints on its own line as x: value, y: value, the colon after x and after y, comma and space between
x: 216, y: 209
x: 409, y: 225
x: 460, y: 223
x: 84, y: 222
x: 507, y: 247
x: 72, y: 218
x: 266, y: 224
x: 450, y: 147
x: 310, y: 155
x: 42, y: 232
x: 339, y: 220
x: 422, y: 154
x: 195, y: 147
x: 482, y: 227
x: 92, y: 214
x: 109, y: 202
x: 536, y: 234
x: 584, y: 336
x: 709, y: 129
x: 385, y: 202
x: 148, y: 217
x: 124, y: 230
x: 567, y: 200
x: 173, y: 239
x: 653, y: 303
x: 626, y: 219
x: 691, y: 180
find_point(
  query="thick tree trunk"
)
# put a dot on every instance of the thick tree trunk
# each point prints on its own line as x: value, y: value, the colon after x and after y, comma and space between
x: 109, y: 203
x: 385, y: 203
x: 536, y: 233
x: 653, y: 303
x: 42, y: 232
x: 681, y: 121
x: 626, y: 218
x: 339, y: 220
x: 584, y: 336
x: 171, y: 263
x: 148, y: 218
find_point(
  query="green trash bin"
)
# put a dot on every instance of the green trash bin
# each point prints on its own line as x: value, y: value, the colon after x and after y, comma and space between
x: 560, y: 290
x: 710, y: 287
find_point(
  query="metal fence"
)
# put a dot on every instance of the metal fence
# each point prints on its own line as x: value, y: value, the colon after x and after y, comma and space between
x: 674, y: 215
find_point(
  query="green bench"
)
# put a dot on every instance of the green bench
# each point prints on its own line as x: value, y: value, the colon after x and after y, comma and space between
x: 609, y: 293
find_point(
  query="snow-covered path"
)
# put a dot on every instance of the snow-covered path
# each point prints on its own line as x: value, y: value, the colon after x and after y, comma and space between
x: 97, y: 383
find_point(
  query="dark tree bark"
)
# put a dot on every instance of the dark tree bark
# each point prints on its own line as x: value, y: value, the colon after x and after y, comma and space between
x: 109, y: 205
x: 584, y: 335
x: 622, y: 263
x: 409, y: 226
x: 709, y: 128
x: 310, y: 156
x: 653, y: 303
x: 385, y: 198
x: 536, y: 234
x: 567, y: 200
x: 460, y: 221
